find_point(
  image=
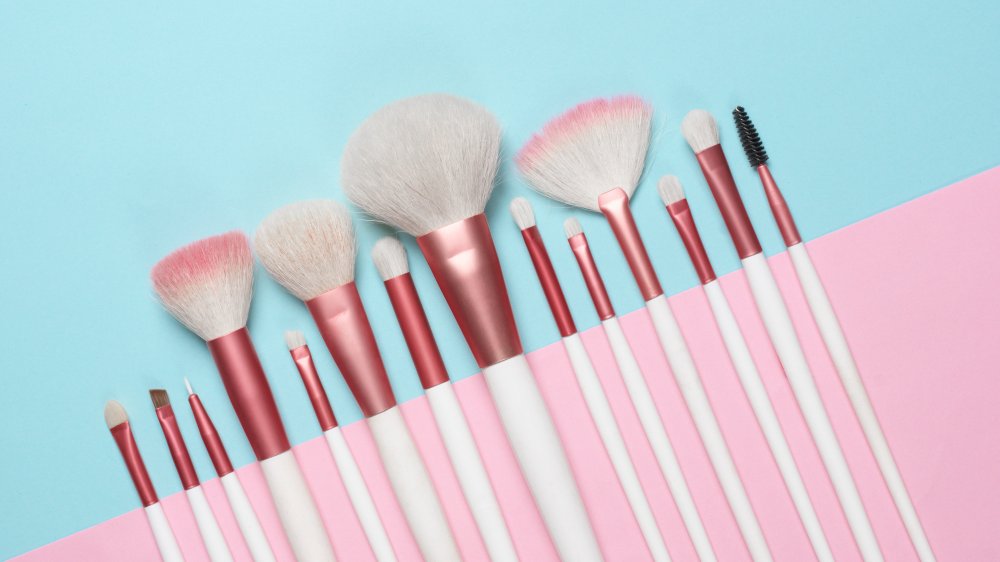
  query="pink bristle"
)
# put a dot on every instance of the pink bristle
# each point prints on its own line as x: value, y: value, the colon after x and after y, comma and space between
x: 202, y: 259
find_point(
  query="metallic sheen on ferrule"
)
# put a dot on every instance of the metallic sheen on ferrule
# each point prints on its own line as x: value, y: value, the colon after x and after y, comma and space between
x: 213, y: 443
x: 779, y: 208
x: 416, y: 330
x: 680, y: 212
x: 122, y: 434
x: 720, y: 180
x: 178, y: 450
x: 591, y: 276
x: 314, y: 387
x: 549, y: 281
x: 614, y: 205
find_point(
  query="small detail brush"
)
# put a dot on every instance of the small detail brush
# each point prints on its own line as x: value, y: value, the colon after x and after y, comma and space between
x: 208, y: 526
x: 833, y: 335
x: 588, y: 380
x: 347, y: 466
x: 390, y: 261
x: 121, y: 430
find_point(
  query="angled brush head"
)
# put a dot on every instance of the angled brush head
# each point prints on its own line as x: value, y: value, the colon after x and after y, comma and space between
x: 670, y: 189
x: 308, y: 247
x: 523, y: 215
x: 589, y: 150
x: 207, y: 285
x: 159, y: 397
x: 294, y: 339
x: 389, y: 256
x: 700, y: 130
x: 423, y: 162
x: 572, y: 227
x: 114, y: 414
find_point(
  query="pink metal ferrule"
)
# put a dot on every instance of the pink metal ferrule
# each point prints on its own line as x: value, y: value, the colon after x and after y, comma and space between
x: 680, y: 212
x: 178, y: 450
x: 416, y: 330
x: 720, y: 180
x: 250, y: 394
x: 314, y: 387
x: 614, y: 205
x: 779, y: 208
x: 464, y: 261
x: 591, y: 276
x: 122, y: 434
x: 213, y: 443
x: 549, y: 281
x: 342, y: 321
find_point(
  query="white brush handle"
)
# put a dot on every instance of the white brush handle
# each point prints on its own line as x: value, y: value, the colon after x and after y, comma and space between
x: 361, y: 498
x: 412, y: 484
x: 471, y: 472
x: 246, y: 518
x: 611, y: 436
x: 686, y: 374
x: 296, y: 508
x: 211, y: 534
x: 843, y: 359
x: 542, y: 458
x: 786, y: 343
x: 756, y: 392
x: 164, y: 535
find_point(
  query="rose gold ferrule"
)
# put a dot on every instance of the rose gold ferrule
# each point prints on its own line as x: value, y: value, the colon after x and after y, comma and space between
x: 122, y: 434
x: 416, y: 330
x: 342, y: 321
x: 614, y: 205
x: 591, y: 276
x: 213, y: 443
x: 720, y: 180
x: 680, y: 212
x: 314, y: 387
x: 779, y: 208
x: 549, y: 281
x: 250, y: 394
x: 178, y: 450
x: 464, y: 261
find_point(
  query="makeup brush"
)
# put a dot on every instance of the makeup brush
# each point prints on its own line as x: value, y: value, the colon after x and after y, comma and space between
x: 642, y: 398
x: 246, y: 518
x: 833, y: 334
x: 677, y: 206
x: 208, y: 527
x: 309, y: 248
x: 390, y: 261
x: 587, y: 379
x: 700, y: 131
x: 592, y: 157
x: 121, y: 430
x: 347, y: 466
x: 207, y: 287
x: 427, y: 165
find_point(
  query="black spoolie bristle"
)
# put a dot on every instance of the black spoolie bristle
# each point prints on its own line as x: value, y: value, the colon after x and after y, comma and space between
x: 749, y: 138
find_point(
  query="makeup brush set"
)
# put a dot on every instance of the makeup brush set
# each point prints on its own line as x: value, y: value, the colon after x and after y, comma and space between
x: 427, y: 166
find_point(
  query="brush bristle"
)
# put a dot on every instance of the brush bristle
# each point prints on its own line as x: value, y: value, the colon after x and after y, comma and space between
x: 308, y: 247
x: 700, y: 130
x: 749, y: 138
x: 159, y: 397
x: 389, y: 256
x: 522, y: 212
x: 114, y: 414
x: 187, y: 385
x: 572, y: 227
x: 294, y: 339
x: 207, y: 285
x: 589, y: 150
x: 670, y: 189
x: 423, y: 162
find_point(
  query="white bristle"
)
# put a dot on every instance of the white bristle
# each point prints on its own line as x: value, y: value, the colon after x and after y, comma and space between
x: 308, y: 247
x: 589, y: 150
x: 423, y: 162
x: 187, y: 384
x: 207, y: 285
x: 523, y: 215
x: 671, y: 190
x: 294, y: 339
x: 389, y: 256
x: 572, y: 227
x: 114, y: 414
x: 700, y: 130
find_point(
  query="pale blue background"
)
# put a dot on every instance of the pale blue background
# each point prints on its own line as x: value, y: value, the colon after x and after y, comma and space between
x: 130, y: 128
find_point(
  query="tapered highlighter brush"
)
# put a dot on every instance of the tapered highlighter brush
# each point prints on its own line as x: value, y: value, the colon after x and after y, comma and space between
x: 117, y: 420
x: 833, y: 335
x: 427, y: 165
x: 309, y: 248
x: 347, y: 466
x: 391, y: 262
x: 208, y: 526
x: 592, y: 157
x: 588, y: 380
x: 207, y: 286
x: 677, y: 206
x: 246, y: 518
x: 638, y: 390
x: 701, y: 132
